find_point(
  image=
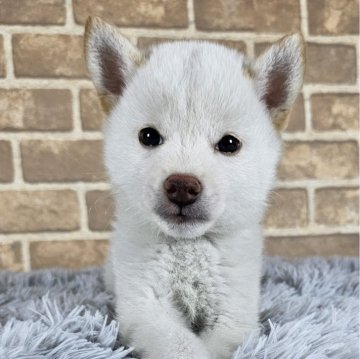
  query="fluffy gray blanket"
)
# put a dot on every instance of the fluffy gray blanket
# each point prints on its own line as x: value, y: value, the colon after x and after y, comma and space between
x: 309, y: 310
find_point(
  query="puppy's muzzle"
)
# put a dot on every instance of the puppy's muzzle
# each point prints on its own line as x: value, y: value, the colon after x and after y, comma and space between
x: 182, y: 190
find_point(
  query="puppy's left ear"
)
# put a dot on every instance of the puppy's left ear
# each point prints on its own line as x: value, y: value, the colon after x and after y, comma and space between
x: 111, y: 60
x: 279, y: 76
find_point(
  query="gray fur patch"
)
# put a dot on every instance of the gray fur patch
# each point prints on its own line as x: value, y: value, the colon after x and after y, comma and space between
x: 193, y: 283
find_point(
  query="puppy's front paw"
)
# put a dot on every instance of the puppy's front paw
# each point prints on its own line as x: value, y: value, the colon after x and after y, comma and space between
x: 221, y: 344
x: 168, y: 352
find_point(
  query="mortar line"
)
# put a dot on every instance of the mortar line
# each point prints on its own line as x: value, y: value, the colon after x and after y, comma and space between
x: 250, y: 48
x: 318, y: 183
x: 51, y: 236
x: 99, y: 237
x: 16, y: 157
x: 69, y: 22
x: 54, y: 186
x: 191, y: 16
x: 8, y: 56
x: 25, y: 251
x: 310, y: 231
x: 324, y: 136
x: 304, y: 18
x: 83, y: 210
x: 44, y: 82
x: 52, y: 136
x: 357, y: 50
x: 311, y: 204
x: 307, y: 111
x: 76, y: 117
x: 330, y: 88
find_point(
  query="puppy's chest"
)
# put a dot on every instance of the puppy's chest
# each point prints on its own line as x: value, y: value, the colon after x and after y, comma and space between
x: 194, y: 281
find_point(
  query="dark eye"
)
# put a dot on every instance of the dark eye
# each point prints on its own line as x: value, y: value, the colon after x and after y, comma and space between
x: 150, y: 137
x: 228, y: 144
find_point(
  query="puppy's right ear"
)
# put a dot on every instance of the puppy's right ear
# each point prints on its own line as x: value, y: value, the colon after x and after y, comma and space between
x: 111, y: 60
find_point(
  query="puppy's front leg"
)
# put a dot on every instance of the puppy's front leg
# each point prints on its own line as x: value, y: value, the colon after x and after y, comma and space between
x: 157, y: 331
x: 224, y: 338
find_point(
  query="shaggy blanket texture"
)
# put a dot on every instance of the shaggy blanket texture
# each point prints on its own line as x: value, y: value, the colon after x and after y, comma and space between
x: 309, y: 310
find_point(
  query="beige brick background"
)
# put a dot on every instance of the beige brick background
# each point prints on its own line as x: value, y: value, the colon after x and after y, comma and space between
x: 55, y: 206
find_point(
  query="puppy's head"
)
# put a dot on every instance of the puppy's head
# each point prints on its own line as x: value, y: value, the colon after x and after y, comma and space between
x: 192, y: 135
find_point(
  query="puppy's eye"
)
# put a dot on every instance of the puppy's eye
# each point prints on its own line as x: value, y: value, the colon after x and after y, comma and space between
x: 228, y: 144
x: 150, y: 137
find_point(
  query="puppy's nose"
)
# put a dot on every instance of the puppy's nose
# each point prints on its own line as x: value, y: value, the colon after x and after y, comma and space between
x: 182, y: 189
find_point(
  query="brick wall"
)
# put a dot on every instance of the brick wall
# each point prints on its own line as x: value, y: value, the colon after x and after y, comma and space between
x: 55, y: 207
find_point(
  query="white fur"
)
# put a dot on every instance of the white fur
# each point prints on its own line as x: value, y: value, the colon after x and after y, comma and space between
x: 167, y: 276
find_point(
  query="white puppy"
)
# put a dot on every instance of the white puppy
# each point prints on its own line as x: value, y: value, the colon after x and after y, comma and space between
x: 191, y: 147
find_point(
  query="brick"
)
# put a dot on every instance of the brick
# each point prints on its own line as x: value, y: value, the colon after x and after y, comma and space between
x: 337, y: 206
x: 335, y: 112
x: 2, y: 58
x: 146, y: 42
x: 10, y: 256
x: 36, y: 211
x: 32, y: 12
x: 288, y: 209
x: 6, y: 164
x: 35, y: 110
x: 323, y: 245
x: 260, y: 16
x: 330, y: 64
x: 100, y: 209
x: 224, y: 15
x: 62, y: 161
x: 73, y: 254
x: 277, y: 16
x: 92, y: 116
x: 333, y: 17
x: 135, y: 13
x: 297, y: 116
x: 48, y: 56
x: 319, y: 159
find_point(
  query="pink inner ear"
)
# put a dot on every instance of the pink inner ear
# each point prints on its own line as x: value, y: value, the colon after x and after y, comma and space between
x: 276, y: 93
x: 111, y: 70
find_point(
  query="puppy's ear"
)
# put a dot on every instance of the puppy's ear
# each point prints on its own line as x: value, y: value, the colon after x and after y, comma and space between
x: 111, y: 60
x: 279, y: 76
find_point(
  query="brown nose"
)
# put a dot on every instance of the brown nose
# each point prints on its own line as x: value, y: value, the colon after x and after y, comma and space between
x: 182, y: 189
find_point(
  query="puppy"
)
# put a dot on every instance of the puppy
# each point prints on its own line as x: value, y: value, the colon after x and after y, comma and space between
x: 192, y: 141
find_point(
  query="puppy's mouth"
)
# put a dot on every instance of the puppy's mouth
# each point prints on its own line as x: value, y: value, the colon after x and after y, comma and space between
x: 181, y: 215
x: 181, y: 218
